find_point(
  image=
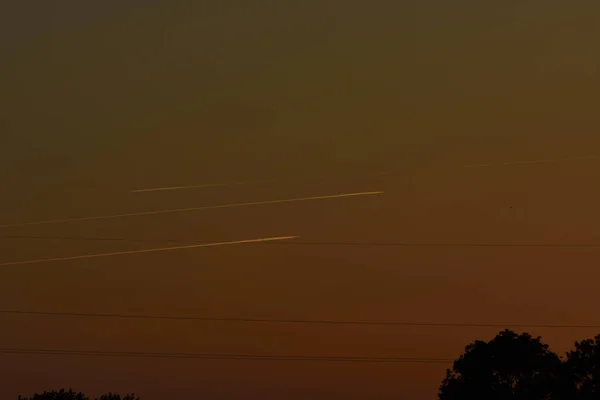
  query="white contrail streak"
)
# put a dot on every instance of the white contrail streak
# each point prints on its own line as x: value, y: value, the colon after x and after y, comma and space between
x: 122, y: 253
x: 207, y: 185
x: 210, y: 185
x: 542, y: 161
x: 180, y: 210
x: 512, y: 163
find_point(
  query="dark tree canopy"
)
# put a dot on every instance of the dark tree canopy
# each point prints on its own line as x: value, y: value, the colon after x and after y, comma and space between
x: 510, y: 366
x: 111, y: 396
x: 584, y: 363
x: 72, y: 395
x: 57, y: 395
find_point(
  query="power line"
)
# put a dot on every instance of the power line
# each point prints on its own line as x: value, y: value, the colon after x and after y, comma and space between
x: 290, y: 321
x: 142, y: 251
x: 190, y: 209
x: 285, y: 238
x: 307, y: 243
x: 384, y: 173
x: 219, y: 356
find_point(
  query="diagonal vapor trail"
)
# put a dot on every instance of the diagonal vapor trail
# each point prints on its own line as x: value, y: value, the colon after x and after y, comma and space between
x: 540, y: 161
x: 154, y: 250
x: 180, y: 210
x: 227, y: 184
x: 200, y: 186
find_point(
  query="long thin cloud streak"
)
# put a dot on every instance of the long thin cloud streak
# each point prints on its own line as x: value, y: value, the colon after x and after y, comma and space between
x: 180, y: 210
x: 319, y: 243
x: 541, y: 161
x: 122, y: 253
x: 210, y: 185
x: 207, y: 185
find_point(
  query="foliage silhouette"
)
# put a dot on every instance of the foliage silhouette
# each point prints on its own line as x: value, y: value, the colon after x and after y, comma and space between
x: 584, y: 364
x: 111, y: 396
x: 72, y: 395
x: 57, y: 395
x: 510, y: 366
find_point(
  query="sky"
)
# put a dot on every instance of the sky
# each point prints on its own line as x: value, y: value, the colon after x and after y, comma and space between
x: 433, y: 103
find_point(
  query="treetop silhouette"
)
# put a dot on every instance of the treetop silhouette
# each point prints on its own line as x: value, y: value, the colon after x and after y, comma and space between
x: 521, y: 367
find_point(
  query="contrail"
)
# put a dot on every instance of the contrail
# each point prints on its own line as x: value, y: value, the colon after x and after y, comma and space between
x: 121, y: 253
x: 541, y: 161
x: 512, y: 163
x: 207, y: 185
x: 179, y: 210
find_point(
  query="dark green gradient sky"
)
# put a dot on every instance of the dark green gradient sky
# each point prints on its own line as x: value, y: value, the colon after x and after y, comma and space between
x: 98, y: 98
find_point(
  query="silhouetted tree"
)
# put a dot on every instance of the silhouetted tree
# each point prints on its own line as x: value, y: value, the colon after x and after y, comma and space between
x: 510, y: 366
x: 111, y: 396
x: 57, y: 395
x: 584, y: 364
x: 71, y: 395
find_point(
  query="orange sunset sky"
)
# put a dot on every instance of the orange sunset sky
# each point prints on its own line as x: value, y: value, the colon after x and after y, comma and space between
x: 435, y: 103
